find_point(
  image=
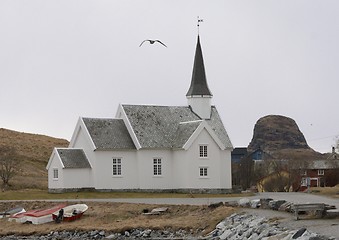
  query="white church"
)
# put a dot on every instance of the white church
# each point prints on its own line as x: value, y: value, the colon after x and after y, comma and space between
x: 149, y: 148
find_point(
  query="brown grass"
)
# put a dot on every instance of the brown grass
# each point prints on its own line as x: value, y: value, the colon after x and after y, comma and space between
x: 119, y: 217
x: 33, y: 152
x: 327, y: 191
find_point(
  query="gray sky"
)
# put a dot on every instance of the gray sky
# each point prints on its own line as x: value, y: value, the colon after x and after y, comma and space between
x: 63, y: 59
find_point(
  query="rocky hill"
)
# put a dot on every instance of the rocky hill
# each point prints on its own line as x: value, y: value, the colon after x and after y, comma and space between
x: 33, y: 152
x: 281, y: 136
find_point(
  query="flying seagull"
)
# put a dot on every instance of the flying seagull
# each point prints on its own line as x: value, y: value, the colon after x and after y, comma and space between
x: 152, y: 42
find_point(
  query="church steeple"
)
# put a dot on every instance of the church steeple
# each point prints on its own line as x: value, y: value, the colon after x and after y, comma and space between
x: 198, y: 95
x: 198, y: 83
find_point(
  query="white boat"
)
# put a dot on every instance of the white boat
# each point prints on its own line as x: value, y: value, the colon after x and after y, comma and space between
x: 12, y: 211
x: 36, y: 216
x: 70, y: 213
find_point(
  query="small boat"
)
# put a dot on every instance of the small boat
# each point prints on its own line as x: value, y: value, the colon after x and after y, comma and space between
x: 70, y: 213
x: 12, y: 211
x: 156, y: 211
x: 37, y: 216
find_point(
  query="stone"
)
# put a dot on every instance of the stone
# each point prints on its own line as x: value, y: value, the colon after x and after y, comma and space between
x: 299, y: 233
x: 255, y: 203
x: 244, y: 202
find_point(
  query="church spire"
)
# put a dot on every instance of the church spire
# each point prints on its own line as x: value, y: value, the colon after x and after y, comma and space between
x: 198, y: 83
x: 198, y: 95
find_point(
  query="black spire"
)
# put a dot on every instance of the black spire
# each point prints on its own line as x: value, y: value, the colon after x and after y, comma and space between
x: 198, y: 82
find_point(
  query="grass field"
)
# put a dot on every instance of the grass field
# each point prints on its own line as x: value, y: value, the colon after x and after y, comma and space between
x: 326, y: 191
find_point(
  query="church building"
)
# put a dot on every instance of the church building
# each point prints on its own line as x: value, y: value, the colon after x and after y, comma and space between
x: 149, y: 148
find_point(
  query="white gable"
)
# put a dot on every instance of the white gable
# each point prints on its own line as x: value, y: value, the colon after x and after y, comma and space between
x: 81, y: 134
x: 203, y: 125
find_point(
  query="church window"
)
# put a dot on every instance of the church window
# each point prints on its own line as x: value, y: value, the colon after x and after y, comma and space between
x: 116, y: 166
x: 55, y: 174
x: 203, y: 151
x: 157, y: 166
x: 203, y: 171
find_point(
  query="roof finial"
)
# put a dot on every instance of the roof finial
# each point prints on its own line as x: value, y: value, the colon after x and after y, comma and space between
x: 198, y: 24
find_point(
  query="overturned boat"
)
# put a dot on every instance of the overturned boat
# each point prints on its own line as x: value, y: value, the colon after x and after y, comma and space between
x: 39, y: 216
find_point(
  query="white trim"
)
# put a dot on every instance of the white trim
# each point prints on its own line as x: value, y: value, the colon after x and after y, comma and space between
x: 87, y: 133
x: 188, y: 122
x: 121, y: 112
x: 199, y: 96
x: 55, y: 153
x: 81, y: 126
x: 50, y: 159
x: 198, y: 130
x: 75, y: 133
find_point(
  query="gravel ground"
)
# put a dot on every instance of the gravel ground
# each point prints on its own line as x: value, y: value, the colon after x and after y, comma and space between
x: 326, y: 227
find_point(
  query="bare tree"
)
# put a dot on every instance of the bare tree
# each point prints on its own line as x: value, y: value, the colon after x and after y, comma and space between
x: 8, y: 164
x: 246, y: 172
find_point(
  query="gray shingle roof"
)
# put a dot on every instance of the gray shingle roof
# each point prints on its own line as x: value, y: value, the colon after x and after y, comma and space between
x: 73, y: 158
x: 183, y: 133
x: 159, y: 126
x: 324, y: 164
x: 109, y: 133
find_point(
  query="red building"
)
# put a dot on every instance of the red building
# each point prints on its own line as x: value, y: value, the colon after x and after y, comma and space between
x: 319, y: 173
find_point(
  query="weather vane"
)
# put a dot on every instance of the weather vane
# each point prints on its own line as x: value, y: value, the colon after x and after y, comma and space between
x: 198, y: 24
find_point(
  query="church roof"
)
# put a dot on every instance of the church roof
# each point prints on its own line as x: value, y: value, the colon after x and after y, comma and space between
x: 164, y: 126
x: 107, y: 133
x: 184, y: 132
x: 198, y: 83
x: 73, y: 158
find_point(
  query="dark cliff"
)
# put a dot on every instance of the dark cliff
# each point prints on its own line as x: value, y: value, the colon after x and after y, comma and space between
x: 281, y: 136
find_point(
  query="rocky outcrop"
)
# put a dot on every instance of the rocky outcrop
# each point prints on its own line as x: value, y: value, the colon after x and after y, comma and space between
x: 277, y: 132
x: 280, y: 135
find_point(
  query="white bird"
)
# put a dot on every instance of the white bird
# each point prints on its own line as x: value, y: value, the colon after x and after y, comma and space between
x: 152, y: 42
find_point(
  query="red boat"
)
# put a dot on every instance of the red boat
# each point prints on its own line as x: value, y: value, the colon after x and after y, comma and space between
x: 70, y: 213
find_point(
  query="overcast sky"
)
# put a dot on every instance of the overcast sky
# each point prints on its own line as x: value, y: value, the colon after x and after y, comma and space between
x: 63, y: 59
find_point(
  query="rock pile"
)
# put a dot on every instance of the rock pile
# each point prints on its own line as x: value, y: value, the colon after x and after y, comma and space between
x: 279, y: 205
x: 246, y: 226
x: 97, y: 234
x: 236, y: 226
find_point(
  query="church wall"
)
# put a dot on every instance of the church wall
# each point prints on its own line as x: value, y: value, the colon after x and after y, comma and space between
x: 225, y: 169
x: 215, y: 170
x: 180, y: 169
x: 68, y: 178
x: 104, y: 178
x: 82, y: 141
x: 147, y: 179
x: 77, y: 178
x: 200, y: 105
x: 55, y: 164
